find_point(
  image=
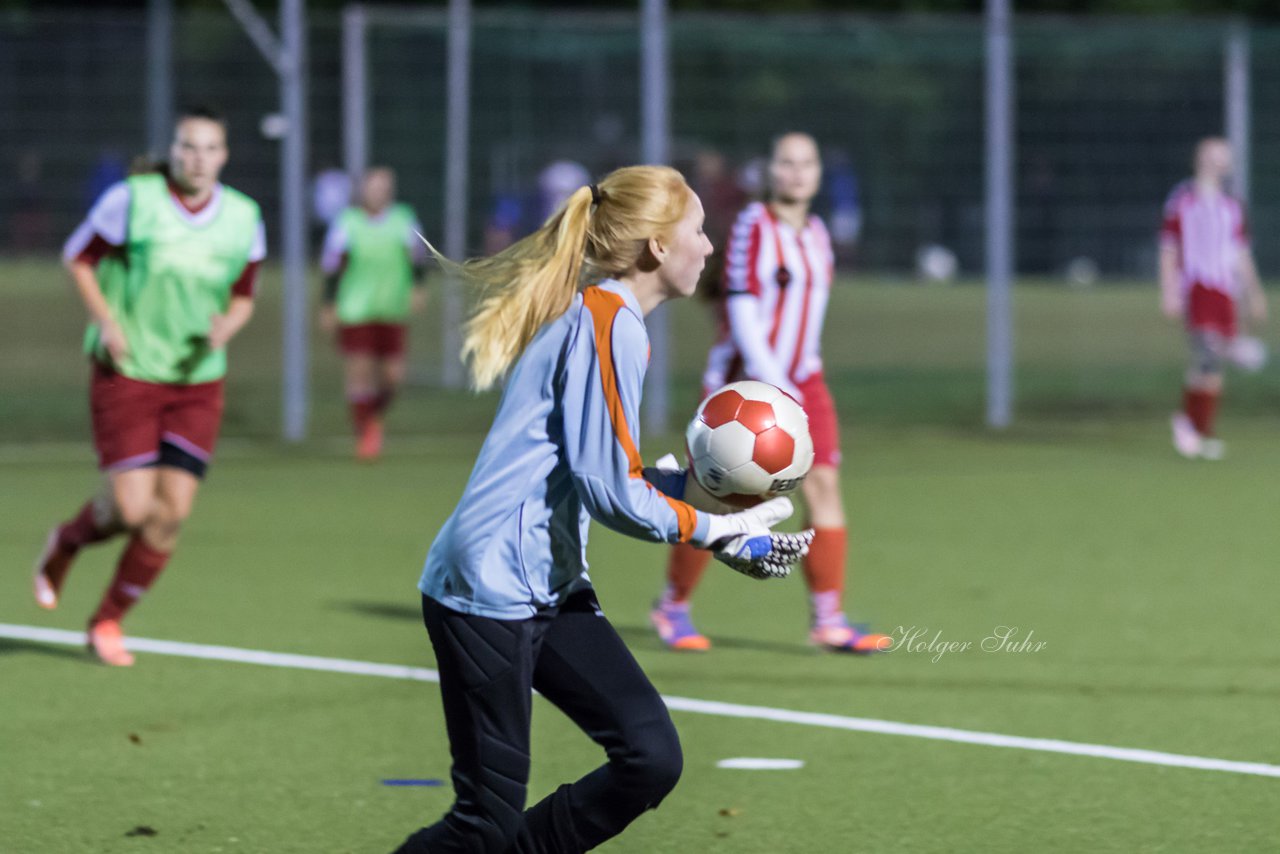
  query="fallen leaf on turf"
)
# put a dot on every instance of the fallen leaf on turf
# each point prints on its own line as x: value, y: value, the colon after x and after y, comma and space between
x: 143, y: 830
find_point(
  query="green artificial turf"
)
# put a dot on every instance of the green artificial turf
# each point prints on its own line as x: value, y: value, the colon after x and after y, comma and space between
x: 1149, y: 580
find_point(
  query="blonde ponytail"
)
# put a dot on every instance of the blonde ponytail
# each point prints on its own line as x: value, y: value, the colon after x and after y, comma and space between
x: 534, y: 280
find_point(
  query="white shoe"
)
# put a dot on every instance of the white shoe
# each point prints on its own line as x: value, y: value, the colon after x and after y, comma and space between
x: 1186, y: 441
x: 51, y: 570
x: 1212, y: 449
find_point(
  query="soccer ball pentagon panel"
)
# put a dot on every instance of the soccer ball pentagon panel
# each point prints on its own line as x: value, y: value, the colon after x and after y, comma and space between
x: 747, y: 441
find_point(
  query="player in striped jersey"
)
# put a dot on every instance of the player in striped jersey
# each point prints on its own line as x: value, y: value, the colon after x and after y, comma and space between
x: 166, y: 265
x: 506, y: 597
x: 779, y: 269
x: 373, y: 263
x: 1206, y: 270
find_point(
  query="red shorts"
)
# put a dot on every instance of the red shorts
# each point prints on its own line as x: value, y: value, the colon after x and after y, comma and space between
x: 132, y: 420
x: 384, y: 340
x: 824, y: 427
x: 1211, y: 310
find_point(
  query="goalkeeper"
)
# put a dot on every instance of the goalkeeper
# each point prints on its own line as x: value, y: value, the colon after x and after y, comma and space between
x: 506, y: 598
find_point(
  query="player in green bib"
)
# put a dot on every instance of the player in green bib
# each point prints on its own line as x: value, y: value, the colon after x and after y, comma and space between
x: 166, y: 264
x: 373, y: 262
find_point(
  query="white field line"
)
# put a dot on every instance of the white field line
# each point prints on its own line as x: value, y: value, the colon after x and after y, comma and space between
x: 680, y: 704
x: 748, y: 763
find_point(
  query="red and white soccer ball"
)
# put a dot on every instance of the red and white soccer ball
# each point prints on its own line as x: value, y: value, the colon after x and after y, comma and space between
x: 749, y: 440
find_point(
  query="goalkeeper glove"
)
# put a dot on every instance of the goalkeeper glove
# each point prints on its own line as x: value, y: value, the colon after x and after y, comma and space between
x: 739, y: 538
x: 744, y: 542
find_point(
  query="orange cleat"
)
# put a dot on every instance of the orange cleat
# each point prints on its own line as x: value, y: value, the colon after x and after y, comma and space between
x: 51, y: 570
x: 846, y: 638
x: 369, y: 446
x: 106, y: 641
x: 676, y: 629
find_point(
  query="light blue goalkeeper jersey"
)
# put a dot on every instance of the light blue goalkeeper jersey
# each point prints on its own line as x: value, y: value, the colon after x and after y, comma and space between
x: 563, y: 449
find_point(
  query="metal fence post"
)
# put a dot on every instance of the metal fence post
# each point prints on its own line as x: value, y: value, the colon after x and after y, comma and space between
x: 1236, y: 101
x: 293, y: 178
x: 999, y: 219
x: 159, y: 76
x: 355, y: 91
x: 457, y: 157
x: 655, y: 124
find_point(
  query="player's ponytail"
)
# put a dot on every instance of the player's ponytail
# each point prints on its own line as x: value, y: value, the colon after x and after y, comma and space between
x: 534, y: 280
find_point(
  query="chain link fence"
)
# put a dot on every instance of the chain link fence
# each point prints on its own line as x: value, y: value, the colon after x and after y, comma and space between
x: 1106, y: 114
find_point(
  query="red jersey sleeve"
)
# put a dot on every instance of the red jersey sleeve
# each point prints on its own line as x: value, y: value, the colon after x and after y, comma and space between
x: 1242, y: 228
x: 1171, y: 223
x: 95, y: 250
x: 247, y: 284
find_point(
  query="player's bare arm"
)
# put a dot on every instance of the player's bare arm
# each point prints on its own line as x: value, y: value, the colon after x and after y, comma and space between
x: 1170, y: 288
x: 328, y: 319
x: 224, y: 327
x: 1256, y: 296
x: 86, y: 281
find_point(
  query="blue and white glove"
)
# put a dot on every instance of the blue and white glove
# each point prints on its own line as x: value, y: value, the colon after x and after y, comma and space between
x: 745, y: 542
x: 739, y: 538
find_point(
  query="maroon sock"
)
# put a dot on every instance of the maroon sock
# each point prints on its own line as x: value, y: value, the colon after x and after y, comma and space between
x: 1201, y: 407
x: 382, y: 402
x: 83, y: 530
x: 140, y: 565
x: 1192, y: 405
x: 1208, y: 411
x: 363, y: 410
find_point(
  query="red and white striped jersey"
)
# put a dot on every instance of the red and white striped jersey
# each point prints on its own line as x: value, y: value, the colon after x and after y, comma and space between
x: 1210, y: 231
x: 777, y: 284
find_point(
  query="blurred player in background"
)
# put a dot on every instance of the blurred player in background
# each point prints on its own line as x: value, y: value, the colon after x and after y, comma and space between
x: 373, y: 261
x: 714, y: 182
x: 779, y: 269
x: 1206, y: 270
x: 330, y: 195
x: 166, y: 265
x: 505, y: 594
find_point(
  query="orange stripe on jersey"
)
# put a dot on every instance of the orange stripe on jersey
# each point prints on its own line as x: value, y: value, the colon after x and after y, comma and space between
x: 604, y: 307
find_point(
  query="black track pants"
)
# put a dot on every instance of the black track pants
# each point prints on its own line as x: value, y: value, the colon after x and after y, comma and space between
x: 575, y: 659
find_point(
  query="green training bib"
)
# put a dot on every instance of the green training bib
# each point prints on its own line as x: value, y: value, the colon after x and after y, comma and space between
x: 173, y: 277
x: 378, y: 279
